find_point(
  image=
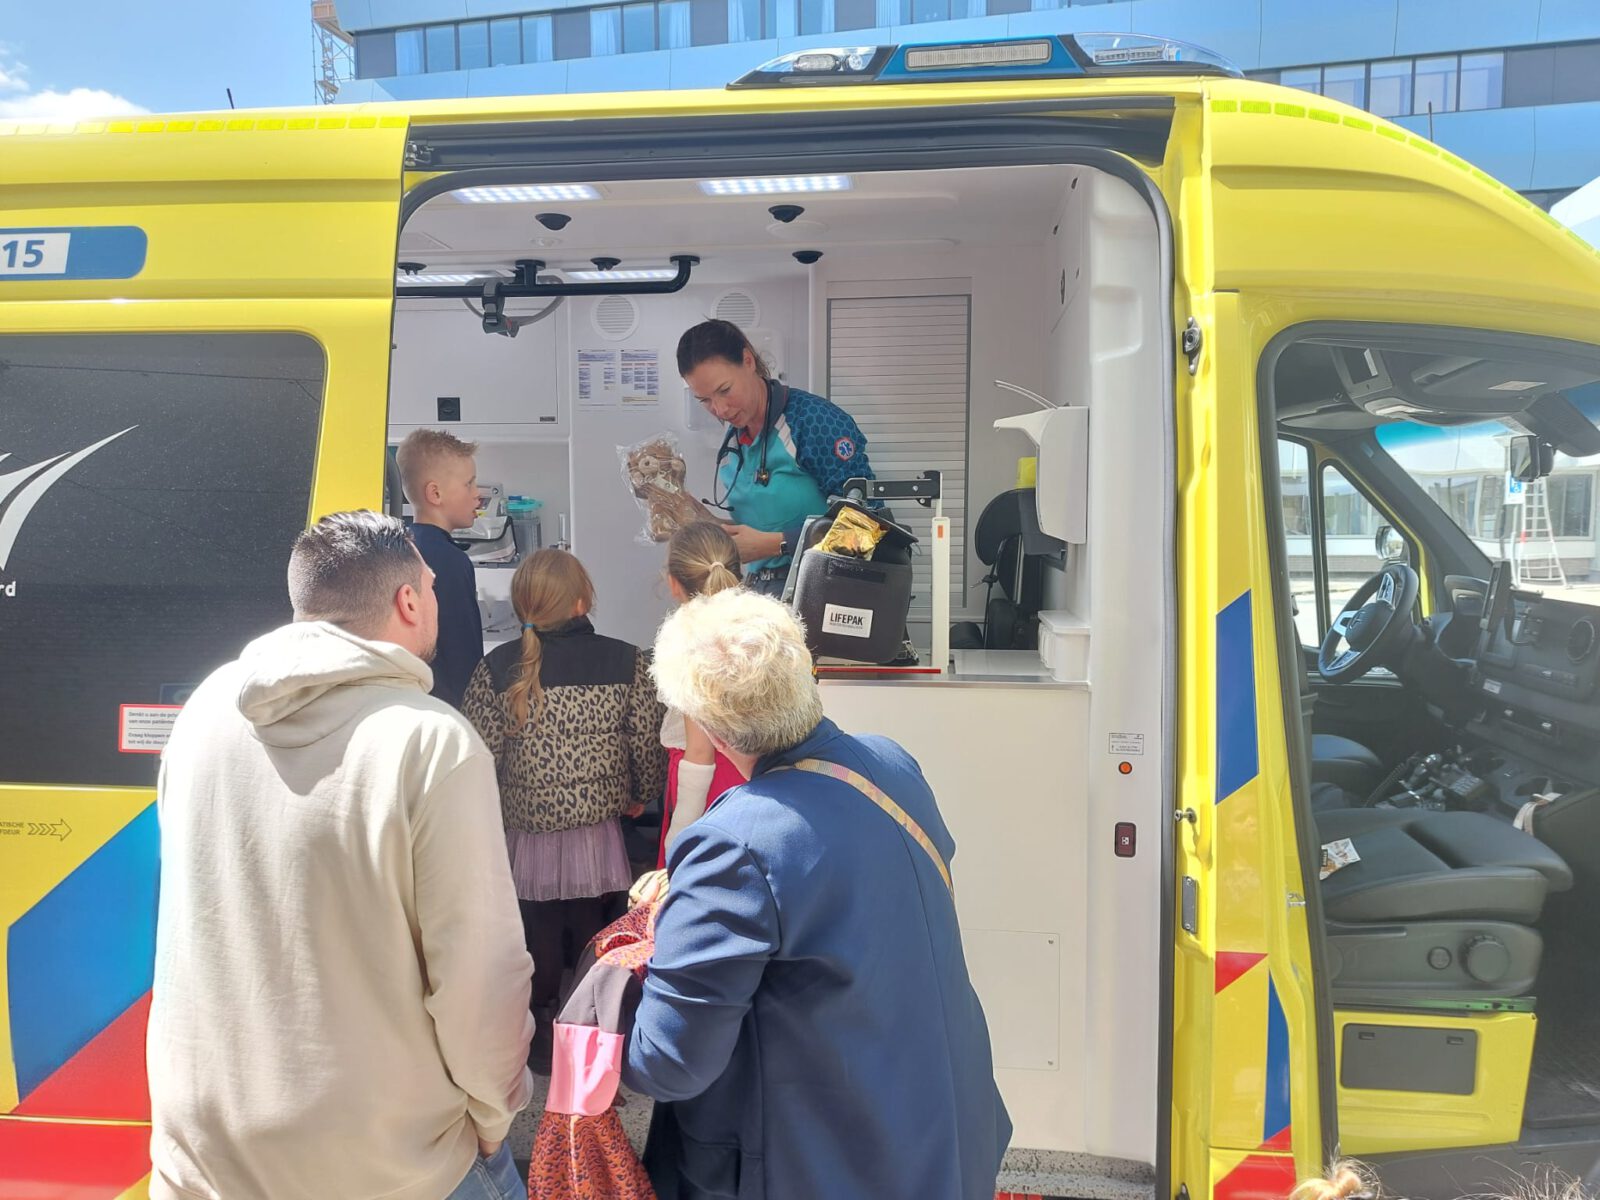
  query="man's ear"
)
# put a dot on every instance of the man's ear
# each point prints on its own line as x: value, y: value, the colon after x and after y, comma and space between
x: 433, y: 492
x: 408, y: 603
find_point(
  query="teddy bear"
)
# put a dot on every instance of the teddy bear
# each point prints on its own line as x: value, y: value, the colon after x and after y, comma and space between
x: 657, y: 472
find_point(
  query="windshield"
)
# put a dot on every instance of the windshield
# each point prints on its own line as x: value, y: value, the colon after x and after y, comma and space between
x: 1545, y: 529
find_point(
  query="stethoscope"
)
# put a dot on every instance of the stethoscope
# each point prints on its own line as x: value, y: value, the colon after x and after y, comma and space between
x: 730, y: 445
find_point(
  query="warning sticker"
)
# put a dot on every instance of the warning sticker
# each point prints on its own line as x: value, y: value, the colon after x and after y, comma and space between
x: 145, y: 728
x: 1124, y: 745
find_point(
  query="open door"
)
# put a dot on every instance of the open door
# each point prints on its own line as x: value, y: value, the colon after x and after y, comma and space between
x: 194, y: 363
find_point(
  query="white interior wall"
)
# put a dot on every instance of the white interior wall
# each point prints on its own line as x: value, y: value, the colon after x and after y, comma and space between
x: 1008, y: 336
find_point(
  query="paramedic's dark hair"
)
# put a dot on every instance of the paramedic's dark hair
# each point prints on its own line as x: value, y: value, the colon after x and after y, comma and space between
x: 717, y: 339
x: 347, y: 568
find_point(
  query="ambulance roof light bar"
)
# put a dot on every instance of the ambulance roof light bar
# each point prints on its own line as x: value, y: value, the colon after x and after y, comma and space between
x: 1062, y: 56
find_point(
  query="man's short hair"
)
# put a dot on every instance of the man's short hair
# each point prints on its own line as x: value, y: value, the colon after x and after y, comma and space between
x: 347, y: 568
x: 421, y: 454
x: 736, y: 664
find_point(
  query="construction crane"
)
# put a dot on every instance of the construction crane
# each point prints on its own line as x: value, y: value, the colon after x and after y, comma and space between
x: 333, y: 51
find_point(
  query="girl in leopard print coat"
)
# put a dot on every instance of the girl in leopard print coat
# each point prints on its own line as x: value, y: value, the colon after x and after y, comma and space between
x: 574, y: 724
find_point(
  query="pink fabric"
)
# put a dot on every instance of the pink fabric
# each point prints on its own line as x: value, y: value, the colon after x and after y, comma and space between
x: 585, y: 1070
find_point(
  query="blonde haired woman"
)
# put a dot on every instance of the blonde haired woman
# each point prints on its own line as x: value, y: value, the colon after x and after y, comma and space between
x: 574, y: 725
x: 702, y: 560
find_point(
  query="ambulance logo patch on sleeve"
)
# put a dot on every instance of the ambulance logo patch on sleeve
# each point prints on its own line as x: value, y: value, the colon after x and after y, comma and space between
x: 844, y: 449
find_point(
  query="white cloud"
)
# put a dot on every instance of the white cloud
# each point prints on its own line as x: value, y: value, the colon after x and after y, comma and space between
x: 76, y: 105
x: 19, y: 102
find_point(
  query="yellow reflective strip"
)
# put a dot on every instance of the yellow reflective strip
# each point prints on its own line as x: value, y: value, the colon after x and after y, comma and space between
x: 1255, y: 106
x: 1224, y: 106
x: 1322, y: 114
x: 1289, y: 110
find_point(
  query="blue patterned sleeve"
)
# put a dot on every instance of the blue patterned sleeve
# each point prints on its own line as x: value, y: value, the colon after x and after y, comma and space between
x: 831, y: 447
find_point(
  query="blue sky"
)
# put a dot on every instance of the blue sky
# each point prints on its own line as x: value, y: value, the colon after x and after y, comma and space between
x: 83, y: 58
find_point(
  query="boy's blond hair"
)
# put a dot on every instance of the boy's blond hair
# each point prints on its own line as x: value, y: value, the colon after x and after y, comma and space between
x: 421, y: 453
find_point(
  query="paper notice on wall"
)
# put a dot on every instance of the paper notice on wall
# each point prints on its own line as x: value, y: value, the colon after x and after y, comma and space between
x: 619, y: 378
x: 145, y: 728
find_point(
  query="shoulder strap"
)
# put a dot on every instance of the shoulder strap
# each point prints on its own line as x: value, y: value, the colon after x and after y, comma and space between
x: 881, y: 798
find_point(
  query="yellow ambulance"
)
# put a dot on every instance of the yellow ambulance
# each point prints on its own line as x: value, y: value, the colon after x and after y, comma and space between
x: 1279, y: 839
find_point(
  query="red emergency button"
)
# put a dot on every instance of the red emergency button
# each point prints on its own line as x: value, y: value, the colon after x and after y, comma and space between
x: 1126, y: 842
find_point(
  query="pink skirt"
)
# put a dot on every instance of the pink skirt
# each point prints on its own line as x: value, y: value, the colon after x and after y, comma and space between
x: 570, y: 864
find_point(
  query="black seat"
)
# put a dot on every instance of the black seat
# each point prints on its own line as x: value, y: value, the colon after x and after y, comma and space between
x: 1345, y: 764
x: 1439, y: 903
x: 1008, y: 541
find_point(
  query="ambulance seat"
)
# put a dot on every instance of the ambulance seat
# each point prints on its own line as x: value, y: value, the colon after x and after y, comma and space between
x: 1008, y: 541
x: 1439, y: 905
x: 1345, y: 763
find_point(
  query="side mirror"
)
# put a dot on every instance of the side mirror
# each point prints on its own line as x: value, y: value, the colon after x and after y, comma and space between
x: 1391, y: 547
x: 1530, y: 458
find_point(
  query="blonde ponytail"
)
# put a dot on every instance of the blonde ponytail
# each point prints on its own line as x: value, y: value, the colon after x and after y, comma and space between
x: 1344, y: 1181
x: 703, y: 559
x: 549, y: 589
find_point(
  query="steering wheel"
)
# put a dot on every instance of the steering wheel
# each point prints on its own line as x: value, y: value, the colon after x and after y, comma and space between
x: 1378, y: 623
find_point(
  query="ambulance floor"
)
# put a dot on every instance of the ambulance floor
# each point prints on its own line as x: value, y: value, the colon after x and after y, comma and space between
x: 1564, y: 1084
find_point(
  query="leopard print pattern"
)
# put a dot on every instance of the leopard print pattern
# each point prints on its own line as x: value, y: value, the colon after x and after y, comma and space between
x: 628, y: 942
x: 593, y: 751
x: 585, y: 1158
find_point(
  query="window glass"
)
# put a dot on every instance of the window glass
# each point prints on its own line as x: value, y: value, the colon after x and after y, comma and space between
x: 782, y: 18
x: 1483, y: 78
x: 1575, y: 73
x: 675, y: 24
x: 930, y: 10
x: 408, y: 52
x: 1435, y: 85
x: 855, y: 14
x: 708, y: 22
x: 505, y: 42
x: 1349, y: 524
x: 1529, y: 76
x: 161, y: 552
x: 571, y: 35
x: 1294, y: 484
x: 744, y: 20
x: 605, y: 31
x: 816, y: 16
x: 538, y: 39
x: 638, y: 28
x: 474, y: 44
x: 1346, y: 82
x: 1259, y: 76
x: 1391, y: 88
x: 441, y: 41
x: 375, y: 55
x: 1571, y: 501
x: 1307, y: 79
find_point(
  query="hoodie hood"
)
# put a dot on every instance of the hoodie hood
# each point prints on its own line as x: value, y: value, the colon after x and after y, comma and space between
x: 297, y: 681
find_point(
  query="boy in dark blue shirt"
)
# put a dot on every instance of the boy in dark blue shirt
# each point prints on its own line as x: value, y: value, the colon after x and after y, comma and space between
x: 441, y: 481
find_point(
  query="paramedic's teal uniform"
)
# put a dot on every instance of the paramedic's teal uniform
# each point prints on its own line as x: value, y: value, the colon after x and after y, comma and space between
x: 813, y: 447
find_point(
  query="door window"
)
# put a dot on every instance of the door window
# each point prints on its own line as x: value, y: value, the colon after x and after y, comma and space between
x: 1294, y: 487
x: 1350, y: 524
x: 151, y: 487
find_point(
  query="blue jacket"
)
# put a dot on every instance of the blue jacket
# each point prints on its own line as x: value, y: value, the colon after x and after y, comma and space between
x: 808, y: 1009
x: 460, y: 647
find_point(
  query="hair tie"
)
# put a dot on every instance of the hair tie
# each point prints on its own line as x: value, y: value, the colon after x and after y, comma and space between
x: 530, y: 625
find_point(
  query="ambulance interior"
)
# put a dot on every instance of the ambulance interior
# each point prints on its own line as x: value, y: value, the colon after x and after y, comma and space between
x: 903, y: 297
x: 1454, y: 774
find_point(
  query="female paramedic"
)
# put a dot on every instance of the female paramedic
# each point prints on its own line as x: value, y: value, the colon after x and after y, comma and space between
x: 784, y: 454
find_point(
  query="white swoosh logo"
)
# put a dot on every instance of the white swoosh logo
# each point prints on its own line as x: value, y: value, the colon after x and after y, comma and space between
x: 21, y: 490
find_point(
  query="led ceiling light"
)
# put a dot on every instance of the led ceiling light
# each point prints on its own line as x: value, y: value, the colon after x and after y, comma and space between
x: 520, y: 193
x: 776, y: 185
x: 639, y: 275
x: 444, y: 277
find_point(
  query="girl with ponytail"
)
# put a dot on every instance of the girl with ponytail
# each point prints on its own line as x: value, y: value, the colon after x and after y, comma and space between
x: 701, y: 561
x: 574, y: 725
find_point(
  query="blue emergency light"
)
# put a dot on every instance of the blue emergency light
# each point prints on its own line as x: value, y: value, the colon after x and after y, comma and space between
x: 1057, y: 56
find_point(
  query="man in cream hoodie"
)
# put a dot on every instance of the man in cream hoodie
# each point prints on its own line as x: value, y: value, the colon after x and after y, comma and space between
x: 341, y: 988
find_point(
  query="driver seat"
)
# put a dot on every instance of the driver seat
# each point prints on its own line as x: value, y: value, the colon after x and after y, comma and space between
x: 1440, y: 905
x: 1346, y: 764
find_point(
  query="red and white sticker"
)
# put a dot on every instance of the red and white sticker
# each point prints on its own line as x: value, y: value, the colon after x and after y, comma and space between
x: 145, y: 728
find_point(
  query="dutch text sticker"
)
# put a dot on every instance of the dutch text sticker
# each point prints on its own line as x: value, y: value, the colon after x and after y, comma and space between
x: 145, y: 728
x: 1124, y: 745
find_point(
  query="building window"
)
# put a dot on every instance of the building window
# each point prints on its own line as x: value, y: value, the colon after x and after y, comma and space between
x: 1483, y: 80
x: 999, y: 7
x: 638, y: 28
x: 744, y: 20
x: 571, y: 34
x: 1435, y: 86
x: 505, y: 42
x: 375, y: 55
x: 1575, y: 73
x: 855, y: 14
x: 816, y: 16
x: 605, y: 31
x: 441, y: 41
x: 538, y: 39
x: 474, y: 44
x: 1307, y: 79
x: 1346, y: 82
x: 676, y: 26
x: 408, y: 52
x: 1571, y: 499
x: 1390, y: 91
x: 929, y: 10
x: 782, y: 18
x: 708, y: 22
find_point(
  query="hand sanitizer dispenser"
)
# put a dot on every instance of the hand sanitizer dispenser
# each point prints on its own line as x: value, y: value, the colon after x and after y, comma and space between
x: 1062, y: 436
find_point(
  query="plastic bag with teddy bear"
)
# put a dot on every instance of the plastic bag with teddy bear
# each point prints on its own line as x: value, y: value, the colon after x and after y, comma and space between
x: 656, y: 474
